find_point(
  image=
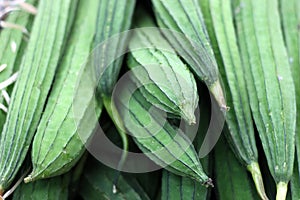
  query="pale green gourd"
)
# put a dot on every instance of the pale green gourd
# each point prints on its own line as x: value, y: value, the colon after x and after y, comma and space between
x: 57, y: 145
x: 35, y: 78
x: 164, y: 79
x: 269, y: 84
x: 193, y: 46
x: 166, y: 145
x: 219, y: 20
x: 12, y: 47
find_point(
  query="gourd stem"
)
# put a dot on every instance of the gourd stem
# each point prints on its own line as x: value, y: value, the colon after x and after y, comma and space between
x: 281, y: 191
x: 257, y: 178
x: 114, y: 115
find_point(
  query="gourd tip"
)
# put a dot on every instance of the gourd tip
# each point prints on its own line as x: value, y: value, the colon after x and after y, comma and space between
x: 209, y: 183
x: 28, y: 179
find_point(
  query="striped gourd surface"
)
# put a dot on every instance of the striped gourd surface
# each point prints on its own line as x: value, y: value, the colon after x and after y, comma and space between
x: 114, y: 17
x: 33, y: 84
x: 185, y: 17
x: 219, y: 20
x: 290, y: 20
x: 178, y: 187
x: 166, y: 145
x: 57, y: 145
x: 12, y: 49
x: 270, y: 85
x: 164, y: 79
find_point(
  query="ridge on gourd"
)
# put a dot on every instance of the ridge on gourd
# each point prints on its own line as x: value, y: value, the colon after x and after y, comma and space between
x: 156, y: 137
x: 270, y: 85
x: 33, y: 84
x: 114, y: 17
x: 193, y: 45
x: 164, y: 80
x: 12, y: 49
x: 219, y: 20
x: 58, y: 145
x: 290, y: 20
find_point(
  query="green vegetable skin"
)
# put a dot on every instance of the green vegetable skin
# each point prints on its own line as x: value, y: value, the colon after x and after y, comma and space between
x: 9, y: 37
x: 290, y: 19
x: 232, y: 180
x: 97, y: 183
x: 57, y: 145
x: 156, y: 137
x: 174, y: 88
x: 185, y: 17
x: 50, y: 189
x: 178, y: 187
x: 114, y: 17
x: 30, y: 92
x: 219, y: 19
x: 270, y: 85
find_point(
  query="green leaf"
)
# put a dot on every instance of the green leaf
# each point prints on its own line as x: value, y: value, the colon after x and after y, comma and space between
x: 12, y: 48
x: 232, y: 180
x: 97, y: 183
x: 295, y: 182
x: 49, y: 189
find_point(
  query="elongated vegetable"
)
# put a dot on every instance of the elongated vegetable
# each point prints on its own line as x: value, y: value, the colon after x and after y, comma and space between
x: 50, y: 189
x: 178, y: 187
x: 290, y: 16
x: 97, y: 183
x: 114, y: 17
x: 239, y: 120
x: 186, y: 17
x: 270, y: 85
x: 156, y: 137
x: 12, y: 49
x: 232, y: 181
x: 290, y: 19
x: 31, y: 90
x: 174, y: 88
x: 57, y: 145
